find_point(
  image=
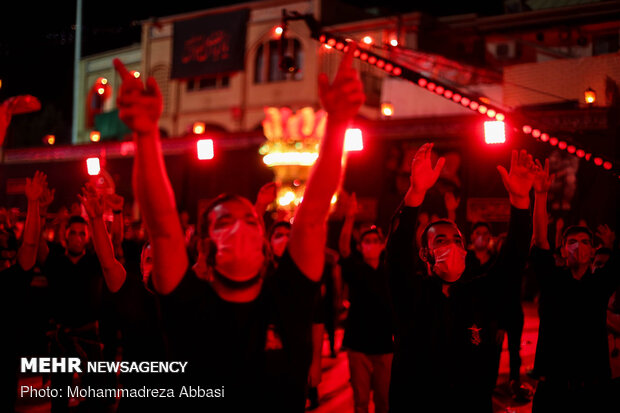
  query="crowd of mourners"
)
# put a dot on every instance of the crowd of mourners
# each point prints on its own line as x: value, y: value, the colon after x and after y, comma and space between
x: 247, y: 300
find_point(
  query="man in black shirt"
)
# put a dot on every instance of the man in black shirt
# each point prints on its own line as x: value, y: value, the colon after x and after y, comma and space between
x: 76, y: 291
x: 447, y: 322
x: 369, y: 327
x: 224, y: 316
x: 480, y: 259
x: 132, y: 309
x: 572, y: 351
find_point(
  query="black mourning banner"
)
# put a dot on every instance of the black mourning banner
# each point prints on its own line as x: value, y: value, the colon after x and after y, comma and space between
x: 209, y: 45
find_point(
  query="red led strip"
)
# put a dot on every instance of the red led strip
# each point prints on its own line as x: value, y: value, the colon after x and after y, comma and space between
x: 457, y: 97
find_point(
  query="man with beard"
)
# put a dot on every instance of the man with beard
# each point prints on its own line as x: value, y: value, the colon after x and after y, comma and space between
x: 446, y: 320
x: 220, y: 315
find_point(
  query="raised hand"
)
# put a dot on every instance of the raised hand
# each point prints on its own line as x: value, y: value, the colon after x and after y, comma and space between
x: 451, y: 201
x: 518, y: 182
x: 114, y: 201
x: 267, y: 194
x: 46, y: 198
x: 606, y: 235
x: 35, y: 186
x: 344, y: 97
x: 139, y: 107
x: 542, y: 179
x: 352, y: 206
x: 423, y: 175
x: 92, y: 201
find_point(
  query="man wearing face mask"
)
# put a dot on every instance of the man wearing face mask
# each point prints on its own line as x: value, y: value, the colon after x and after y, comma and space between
x: 225, y: 317
x: 480, y: 259
x: 369, y: 327
x: 572, y: 349
x: 324, y: 312
x: 279, y: 235
x: 446, y: 321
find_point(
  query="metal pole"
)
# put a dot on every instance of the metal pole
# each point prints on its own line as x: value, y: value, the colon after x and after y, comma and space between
x: 76, y: 71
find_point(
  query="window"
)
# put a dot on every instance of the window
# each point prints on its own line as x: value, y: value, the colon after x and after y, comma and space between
x: 605, y: 44
x: 266, y: 64
x: 206, y: 83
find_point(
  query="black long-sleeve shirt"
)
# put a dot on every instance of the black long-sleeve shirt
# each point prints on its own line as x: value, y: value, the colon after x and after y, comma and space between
x: 445, y: 345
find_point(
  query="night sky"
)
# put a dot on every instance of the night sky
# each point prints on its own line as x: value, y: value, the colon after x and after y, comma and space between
x: 37, y: 49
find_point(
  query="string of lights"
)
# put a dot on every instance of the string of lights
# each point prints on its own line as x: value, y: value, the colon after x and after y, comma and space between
x: 490, y: 111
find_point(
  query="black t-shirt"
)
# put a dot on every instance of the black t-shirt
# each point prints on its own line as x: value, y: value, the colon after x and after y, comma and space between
x: 572, y: 337
x: 136, y: 314
x: 369, y: 326
x: 445, y: 350
x: 259, y: 351
x: 75, y: 290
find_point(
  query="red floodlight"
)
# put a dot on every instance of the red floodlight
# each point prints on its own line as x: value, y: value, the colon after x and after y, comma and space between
x: 204, y: 148
x: 353, y: 140
x: 93, y: 166
x: 494, y: 132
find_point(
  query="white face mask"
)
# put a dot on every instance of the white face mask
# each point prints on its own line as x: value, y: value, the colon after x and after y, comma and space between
x: 278, y: 245
x: 449, y: 262
x: 371, y: 250
x: 480, y: 243
x: 578, y: 254
x: 239, y: 255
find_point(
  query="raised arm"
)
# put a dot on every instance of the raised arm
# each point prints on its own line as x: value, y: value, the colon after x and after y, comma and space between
x: 113, y: 271
x: 344, y: 242
x: 452, y: 203
x: 27, y: 254
x: 518, y: 183
x: 140, y: 108
x: 266, y: 195
x: 542, y: 183
x: 402, y: 257
x: 342, y: 100
x: 115, y: 202
x: 46, y: 198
